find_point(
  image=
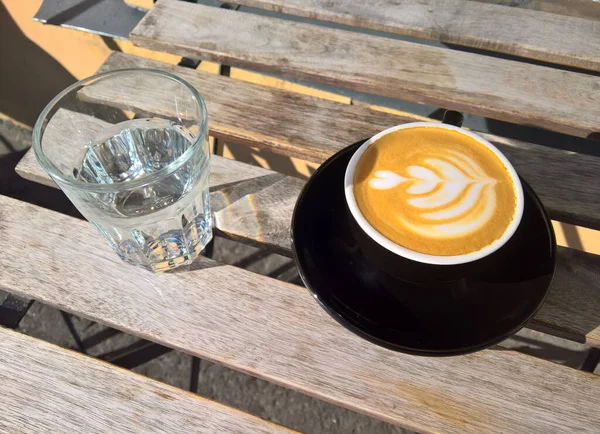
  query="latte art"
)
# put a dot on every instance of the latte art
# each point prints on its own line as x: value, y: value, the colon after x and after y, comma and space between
x: 434, y: 191
x: 460, y: 191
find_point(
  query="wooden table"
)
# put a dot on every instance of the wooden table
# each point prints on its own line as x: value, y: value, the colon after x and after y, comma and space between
x: 272, y: 329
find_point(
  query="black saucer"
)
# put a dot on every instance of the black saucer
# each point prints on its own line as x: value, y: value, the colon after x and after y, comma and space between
x: 407, y: 306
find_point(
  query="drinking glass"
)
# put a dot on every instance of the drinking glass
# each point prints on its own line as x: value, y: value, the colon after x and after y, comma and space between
x: 130, y: 150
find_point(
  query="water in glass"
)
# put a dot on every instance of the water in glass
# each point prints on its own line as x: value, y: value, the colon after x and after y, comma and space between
x: 160, y: 224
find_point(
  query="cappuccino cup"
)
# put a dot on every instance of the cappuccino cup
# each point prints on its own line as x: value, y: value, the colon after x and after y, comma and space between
x: 434, y: 193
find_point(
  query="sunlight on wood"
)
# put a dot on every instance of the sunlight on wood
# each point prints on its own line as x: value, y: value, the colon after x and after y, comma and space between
x: 304, y: 168
x: 379, y: 108
x: 254, y: 77
x: 262, y: 162
x: 129, y: 48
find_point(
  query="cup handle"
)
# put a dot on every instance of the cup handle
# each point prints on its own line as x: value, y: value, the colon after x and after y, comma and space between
x: 452, y: 117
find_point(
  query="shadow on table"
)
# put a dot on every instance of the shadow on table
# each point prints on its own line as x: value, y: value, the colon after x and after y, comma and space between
x: 570, y: 354
x: 276, y: 162
x: 12, y: 185
x: 536, y: 135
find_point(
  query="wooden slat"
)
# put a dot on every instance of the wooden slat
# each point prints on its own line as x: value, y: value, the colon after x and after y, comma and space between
x: 531, y: 34
x: 276, y: 331
x: 314, y: 129
x: 287, y: 123
x: 46, y: 388
x: 567, y: 102
x: 259, y: 211
x: 589, y: 9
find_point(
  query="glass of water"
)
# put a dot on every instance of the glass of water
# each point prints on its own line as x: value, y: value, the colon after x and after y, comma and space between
x: 130, y: 150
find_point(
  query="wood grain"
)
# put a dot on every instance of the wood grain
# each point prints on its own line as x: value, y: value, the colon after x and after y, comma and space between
x: 46, y: 388
x: 276, y: 331
x: 314, y: 129
x: 527, y: 94
x: 525, y: 33
x: 589, y: 9
x: 257, y: 209
x: 287, y: 123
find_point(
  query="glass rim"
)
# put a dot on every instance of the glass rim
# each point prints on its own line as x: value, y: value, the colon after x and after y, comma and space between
x: 55, y: 172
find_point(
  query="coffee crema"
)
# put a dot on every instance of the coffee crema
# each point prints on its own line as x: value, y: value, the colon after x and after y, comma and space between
x: 434, y: 191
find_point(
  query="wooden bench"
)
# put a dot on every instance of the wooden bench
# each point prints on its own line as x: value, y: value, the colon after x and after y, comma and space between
x: 49, y: 389
x: 274, y: 330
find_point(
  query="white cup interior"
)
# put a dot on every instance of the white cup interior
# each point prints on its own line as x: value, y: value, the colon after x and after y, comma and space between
x: 423, y: 257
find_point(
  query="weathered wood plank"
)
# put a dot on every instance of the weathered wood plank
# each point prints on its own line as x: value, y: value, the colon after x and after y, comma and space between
x: 258, y: 210
x: 46, y: 388
x: 287, y: 123
x: 531, y: 34
x: 589, y: 9
x: 277, y: 332
x: 314, y: 129
x: 517, y: 92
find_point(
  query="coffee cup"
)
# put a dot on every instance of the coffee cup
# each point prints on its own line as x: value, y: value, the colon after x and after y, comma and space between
x: 434, y: 193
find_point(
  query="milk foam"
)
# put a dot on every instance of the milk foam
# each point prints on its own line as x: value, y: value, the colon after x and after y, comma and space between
x: 451, y: 194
